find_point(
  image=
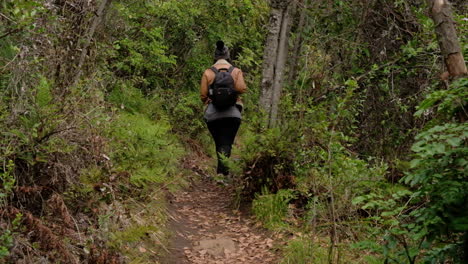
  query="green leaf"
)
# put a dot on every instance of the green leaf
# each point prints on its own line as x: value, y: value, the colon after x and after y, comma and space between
x: 454, y: 142
x: 415, y: 163
x: 439, y: 148
x: 358, y: 200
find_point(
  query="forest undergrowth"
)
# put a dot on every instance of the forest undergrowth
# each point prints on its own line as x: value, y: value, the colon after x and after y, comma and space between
x: 99, y: 106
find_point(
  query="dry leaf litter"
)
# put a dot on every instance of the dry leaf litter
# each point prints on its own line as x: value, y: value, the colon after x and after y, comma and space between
x: 208, y: 231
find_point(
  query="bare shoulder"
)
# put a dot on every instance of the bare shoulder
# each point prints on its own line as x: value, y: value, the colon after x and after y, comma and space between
x: 236, y: 71
x: 208, y: 72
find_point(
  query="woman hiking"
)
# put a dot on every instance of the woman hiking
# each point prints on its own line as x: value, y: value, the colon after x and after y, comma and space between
x: 219, y: 89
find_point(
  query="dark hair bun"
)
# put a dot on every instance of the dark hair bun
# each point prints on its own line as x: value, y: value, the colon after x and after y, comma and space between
x: 220, y: 45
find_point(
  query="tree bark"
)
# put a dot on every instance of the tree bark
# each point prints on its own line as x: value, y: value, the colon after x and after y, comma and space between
x: 297, y: 42
x: 280, y: 65
x: 274, y: 59
x: 269, y: 59
x: 84, y: 50
x: 447, y: 36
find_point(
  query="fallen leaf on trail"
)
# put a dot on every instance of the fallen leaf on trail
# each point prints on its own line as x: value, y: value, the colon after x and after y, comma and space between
x: 269, y: 242
x: 209, y: 217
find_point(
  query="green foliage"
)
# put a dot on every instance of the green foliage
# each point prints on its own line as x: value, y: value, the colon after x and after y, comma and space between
x: 393, y: 68
x: 363, y: 67
x: 267, y: 159
x: 7, y: 181
x: 272, y: 209
x: 143, y: 144
x: 143, y: 57
x: 141, y: 236
x: 146, y: 149
x: 127, y: 97
x: 89, y: 178
x: 300, y: 251
x: 309, y: 154
x: 163, y: 47
x: 132, y: 240
x: 427, y: 223
x: 447, y: 102
x: 59, y: 133
x: 439, y: 172
x: 6, y: 237
x: 187, y: 115
x: 6, y: 241
x: 131, y: 235
x: 386, y: 209
x: 35, y: 132
x: 43, y: 96
x: 169, y: 44
x: 19, y: 15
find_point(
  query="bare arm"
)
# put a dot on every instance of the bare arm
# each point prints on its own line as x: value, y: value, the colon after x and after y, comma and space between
x: 204, y: 88
x: 239, y: 81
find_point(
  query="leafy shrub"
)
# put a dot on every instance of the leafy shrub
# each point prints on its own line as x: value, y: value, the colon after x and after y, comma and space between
x: 439, y: 172
x: 7, y: 181
x: 300, y: 251
x: 125, y: 96
x: 6, y: 237
x: 267, y: 158
x: 272, y: 209
x: 428, y: 221
x: 144, y: 148
x: 386, y: 209
x: 6, y: 241
x: 447, y: 102
x: 187, y: 115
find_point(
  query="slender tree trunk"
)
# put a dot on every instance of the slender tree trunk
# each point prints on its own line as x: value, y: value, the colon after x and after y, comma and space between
x: 297, y: 41
x: 280, y: 66
x: 274, y: 57
x: 269, y: 59
x: 84, y: 50
x: 446, y: 34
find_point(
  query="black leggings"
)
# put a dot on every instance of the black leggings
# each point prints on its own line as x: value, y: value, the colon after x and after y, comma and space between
x: 224, y: 131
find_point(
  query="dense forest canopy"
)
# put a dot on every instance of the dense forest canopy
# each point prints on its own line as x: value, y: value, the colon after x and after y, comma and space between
x: 353, y: 143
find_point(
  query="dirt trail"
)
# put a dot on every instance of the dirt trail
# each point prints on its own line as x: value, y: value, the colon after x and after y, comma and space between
x: 207, y: 230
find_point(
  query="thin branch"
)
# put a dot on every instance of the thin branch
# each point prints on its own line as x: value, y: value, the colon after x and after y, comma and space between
x: 3, y: 68
x: 7, y: 18
x: 378, y: 68
x: 48, y: 135
x: 10, y: 32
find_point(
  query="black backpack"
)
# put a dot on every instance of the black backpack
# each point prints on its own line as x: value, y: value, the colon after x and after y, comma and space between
x: 221, y: 91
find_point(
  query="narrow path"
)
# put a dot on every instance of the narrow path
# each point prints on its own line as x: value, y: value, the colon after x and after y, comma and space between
x: 208, y: 231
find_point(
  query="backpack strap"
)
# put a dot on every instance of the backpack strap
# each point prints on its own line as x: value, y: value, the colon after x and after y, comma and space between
x: 212, y: 84
x: 227, y: 70
x: 214, y: 69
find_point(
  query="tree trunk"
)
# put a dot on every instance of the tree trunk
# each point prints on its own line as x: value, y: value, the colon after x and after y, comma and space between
x: 84, y: 50
x: 297, y: 42
x: 274, y: 59
x: 269, y: 59
x: 447, y: 36
x: 280, y: 65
